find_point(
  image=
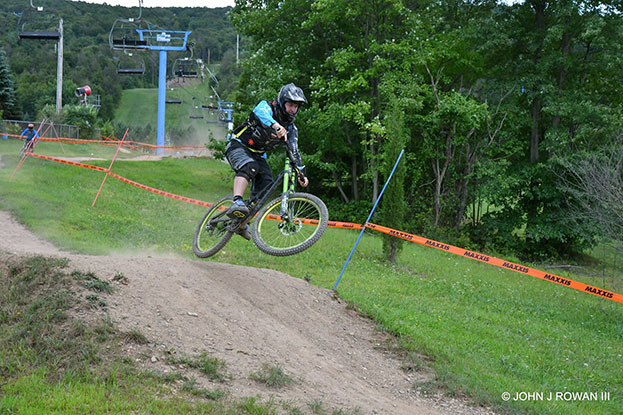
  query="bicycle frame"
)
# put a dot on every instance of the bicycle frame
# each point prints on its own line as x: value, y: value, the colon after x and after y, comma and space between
x: 264, y: 196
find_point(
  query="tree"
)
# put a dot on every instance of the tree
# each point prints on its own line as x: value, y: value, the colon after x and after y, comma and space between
x: 393, y: 205
x: 496, y: 92
x: 566, y: 56
x: 340, y: 52
x: 82, y: 116
x: 595, y: 180
x: 8, y: 101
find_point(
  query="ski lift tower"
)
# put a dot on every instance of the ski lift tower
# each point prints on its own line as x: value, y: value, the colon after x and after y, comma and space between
x: 163, y: 41
x: 30, y: 30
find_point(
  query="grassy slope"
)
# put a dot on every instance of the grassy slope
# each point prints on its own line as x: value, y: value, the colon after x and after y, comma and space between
x: 138, y: 108
x: 52, y: 362
x: 485, y: 330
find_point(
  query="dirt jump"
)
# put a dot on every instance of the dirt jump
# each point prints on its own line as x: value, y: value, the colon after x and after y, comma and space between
x: 249, y: 317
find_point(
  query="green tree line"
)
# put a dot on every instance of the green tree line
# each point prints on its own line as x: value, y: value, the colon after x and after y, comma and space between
x: 88, y: 59
x: 491, y: 101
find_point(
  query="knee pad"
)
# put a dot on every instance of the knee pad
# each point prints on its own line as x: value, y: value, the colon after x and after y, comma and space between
x: 249, y: 170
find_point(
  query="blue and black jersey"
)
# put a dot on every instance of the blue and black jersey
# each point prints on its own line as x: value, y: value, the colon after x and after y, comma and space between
x: 29, y: 134
x: 256, y: 132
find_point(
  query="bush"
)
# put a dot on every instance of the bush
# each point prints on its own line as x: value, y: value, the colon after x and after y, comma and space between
x: 356, y: 211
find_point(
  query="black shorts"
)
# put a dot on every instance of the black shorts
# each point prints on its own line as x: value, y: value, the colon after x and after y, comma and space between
x: 239, y: 155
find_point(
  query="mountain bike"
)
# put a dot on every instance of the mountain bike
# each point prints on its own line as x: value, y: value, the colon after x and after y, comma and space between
x: 27, y: 147
x: 286, y: 225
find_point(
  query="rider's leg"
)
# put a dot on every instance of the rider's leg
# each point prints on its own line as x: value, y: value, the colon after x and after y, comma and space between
x: 263, y: 179
x: 240, y: 186
x: 243, y: 175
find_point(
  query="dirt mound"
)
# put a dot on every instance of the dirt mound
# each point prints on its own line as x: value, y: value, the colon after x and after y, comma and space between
x: 249, y: 317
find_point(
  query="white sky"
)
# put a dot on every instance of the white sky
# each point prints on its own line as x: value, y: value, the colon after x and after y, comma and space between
x: 165, y: 3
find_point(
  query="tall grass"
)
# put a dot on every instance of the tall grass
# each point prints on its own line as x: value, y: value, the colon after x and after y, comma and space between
x: 484, y: 330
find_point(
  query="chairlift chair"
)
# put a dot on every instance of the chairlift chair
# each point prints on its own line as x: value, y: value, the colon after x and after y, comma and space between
x: 124, y: 33
x: 195, y: 107
x: 37, y: 24
x: 129, y: 63
x: 186, y: 68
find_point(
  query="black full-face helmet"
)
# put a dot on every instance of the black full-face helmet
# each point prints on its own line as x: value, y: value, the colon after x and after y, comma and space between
x: 292, y: 93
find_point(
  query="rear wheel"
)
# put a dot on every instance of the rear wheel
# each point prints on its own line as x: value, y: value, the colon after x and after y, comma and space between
x: 306, y: 222
x: 213, y: 231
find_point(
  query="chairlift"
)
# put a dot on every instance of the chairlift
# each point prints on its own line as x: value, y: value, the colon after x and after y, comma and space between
x: 195, y: 107
x: 186, y: 68
x: 226, y: 111
x: 209, y: 104
x: 35, y: 23
x: 129, y: 63
x: 124, y: 33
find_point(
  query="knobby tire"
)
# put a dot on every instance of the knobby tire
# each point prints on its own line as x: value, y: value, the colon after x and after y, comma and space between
x: 209, y: 241
x: 273, y: 240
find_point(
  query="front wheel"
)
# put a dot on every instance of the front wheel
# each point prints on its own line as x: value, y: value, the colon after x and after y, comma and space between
x: 306, y: 220
x: 213, y: 231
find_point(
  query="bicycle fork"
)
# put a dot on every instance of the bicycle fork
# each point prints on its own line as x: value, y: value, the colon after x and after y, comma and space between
x: 288, y: 187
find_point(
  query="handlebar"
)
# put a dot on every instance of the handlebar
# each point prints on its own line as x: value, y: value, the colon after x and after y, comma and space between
x: 273, y: 134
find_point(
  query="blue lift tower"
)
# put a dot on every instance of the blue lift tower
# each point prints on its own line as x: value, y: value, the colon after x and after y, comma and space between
x: 123, y: 36
x: 162, y: 41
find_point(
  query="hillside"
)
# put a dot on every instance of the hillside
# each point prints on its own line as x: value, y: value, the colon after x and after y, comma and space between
x: 191, y: 122
x: 88, y: 58
x: 483, y: 330
x: 247, y: 317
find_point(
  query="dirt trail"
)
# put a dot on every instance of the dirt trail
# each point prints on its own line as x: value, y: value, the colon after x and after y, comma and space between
x: 247, y: 317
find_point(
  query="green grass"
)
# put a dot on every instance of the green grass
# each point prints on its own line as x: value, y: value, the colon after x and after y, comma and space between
x: 139, y: 108
x: 272, y: 375
x: 484, y: 330
x: 212, y: 367
x: 51, y: 362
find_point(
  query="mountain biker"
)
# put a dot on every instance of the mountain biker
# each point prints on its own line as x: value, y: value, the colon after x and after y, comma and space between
x: 28, y: 134
x: 266, y: 126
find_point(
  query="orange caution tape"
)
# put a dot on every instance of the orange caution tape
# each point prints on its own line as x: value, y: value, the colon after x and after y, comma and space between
x: 566, y: 282
x: 161, y: 192
x: 73, y: 163
x: 125, y: 180
x: 580, y: 286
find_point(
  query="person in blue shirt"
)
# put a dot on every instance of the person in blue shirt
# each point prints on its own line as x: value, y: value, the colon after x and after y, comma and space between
x: 267, y: 126
x: 28, y: 134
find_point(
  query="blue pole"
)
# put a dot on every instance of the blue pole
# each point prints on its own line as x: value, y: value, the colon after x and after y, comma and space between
x: 368, y: 220
x: 162, y: 93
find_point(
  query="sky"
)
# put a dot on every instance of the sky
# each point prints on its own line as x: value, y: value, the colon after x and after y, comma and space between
x: 165, y: 3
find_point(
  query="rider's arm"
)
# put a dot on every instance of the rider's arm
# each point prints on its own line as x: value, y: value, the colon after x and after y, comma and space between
x: 23, y: 134
x: 292, y: 143
x: 264, y: 113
